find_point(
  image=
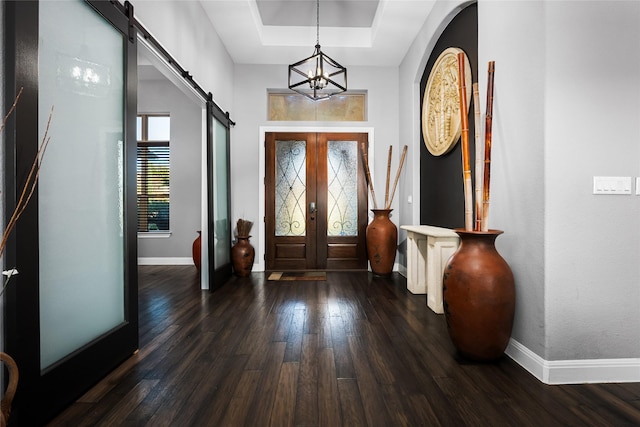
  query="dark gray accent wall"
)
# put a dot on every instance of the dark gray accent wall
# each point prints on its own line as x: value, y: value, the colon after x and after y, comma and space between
x: 441, y: 188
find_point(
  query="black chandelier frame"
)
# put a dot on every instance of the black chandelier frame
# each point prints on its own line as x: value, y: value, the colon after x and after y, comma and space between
x: 318, y: 76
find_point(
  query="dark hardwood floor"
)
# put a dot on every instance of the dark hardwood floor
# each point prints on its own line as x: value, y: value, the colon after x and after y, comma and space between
x: 353, y: 350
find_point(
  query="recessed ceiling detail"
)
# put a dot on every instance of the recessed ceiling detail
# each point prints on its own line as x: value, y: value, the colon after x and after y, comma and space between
x: 278, y: 32
x: 333, y: 13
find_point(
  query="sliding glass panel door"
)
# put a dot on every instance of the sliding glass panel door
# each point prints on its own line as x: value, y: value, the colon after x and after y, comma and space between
x: 71, y: 313
x: 81, y: 185
x: 220, y: 185
x: 218, y: 189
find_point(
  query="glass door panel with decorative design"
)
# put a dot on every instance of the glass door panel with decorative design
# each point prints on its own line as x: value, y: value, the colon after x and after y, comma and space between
x: 316, y: 198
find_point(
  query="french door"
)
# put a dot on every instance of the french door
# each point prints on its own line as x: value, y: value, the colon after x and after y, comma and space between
x: 72, y: 311
x: 316, y: 201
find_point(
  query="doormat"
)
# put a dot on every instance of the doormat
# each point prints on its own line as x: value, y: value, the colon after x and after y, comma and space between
x: 298, y: 275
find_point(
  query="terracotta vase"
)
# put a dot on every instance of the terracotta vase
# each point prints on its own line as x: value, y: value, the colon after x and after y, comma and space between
x: 7, y: 399
x: 382, y: 242
x: 196, y: 250
x: 242, y: 256
x: 479, y: 297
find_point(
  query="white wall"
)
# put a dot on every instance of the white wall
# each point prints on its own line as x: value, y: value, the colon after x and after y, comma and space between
x: 183, y: 29
x: 567, y: 114
x: 162, y: 96
x: 592, y: 112
x: 510, y: 34
x: 250, y: 113
x: 566, y: 108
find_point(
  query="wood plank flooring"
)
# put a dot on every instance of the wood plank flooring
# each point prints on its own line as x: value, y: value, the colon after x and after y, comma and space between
x: 353, y: 350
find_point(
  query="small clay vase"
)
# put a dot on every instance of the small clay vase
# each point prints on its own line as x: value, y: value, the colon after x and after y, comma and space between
x: 479, y: 297
x: 382, y: 242
x: 242, y: 256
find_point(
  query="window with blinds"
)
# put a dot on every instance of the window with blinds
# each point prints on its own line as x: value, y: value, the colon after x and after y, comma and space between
x: 153, y: 134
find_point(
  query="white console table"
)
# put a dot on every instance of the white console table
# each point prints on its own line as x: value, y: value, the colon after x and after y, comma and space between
x: 428, y: 250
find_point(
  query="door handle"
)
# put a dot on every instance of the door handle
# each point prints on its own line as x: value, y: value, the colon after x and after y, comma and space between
x: 312, y: 207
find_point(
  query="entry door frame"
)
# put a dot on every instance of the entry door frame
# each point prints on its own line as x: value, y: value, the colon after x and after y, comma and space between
x: 260, y: 245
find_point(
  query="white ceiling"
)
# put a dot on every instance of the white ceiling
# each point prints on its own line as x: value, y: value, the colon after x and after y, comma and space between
x: 352, y: 32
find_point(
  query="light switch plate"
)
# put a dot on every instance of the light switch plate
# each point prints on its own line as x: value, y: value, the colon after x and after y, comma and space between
x: 611, y: 185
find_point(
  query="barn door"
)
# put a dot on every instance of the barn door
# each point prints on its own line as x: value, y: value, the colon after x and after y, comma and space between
x: 72, y: 311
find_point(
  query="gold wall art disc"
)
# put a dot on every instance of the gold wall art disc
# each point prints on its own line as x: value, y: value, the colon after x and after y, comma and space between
x: 441, y: 103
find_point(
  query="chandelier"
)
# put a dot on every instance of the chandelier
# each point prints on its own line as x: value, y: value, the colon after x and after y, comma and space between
x: 318, y: 76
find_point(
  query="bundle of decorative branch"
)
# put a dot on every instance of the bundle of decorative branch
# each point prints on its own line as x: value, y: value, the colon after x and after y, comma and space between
x: 244, y: 227
x: 482, y: 187
x: 32, y: 177
x: 368, y: 172
x: 387, y: 199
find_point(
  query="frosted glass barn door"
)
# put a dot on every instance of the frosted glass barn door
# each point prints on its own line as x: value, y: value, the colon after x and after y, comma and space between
x: 81, y: 192
x: 218, y: 192
x: 72, y: 315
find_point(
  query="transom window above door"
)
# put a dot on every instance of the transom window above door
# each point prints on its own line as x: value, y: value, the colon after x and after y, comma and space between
x: 290, y: 106
x: 153, y: 172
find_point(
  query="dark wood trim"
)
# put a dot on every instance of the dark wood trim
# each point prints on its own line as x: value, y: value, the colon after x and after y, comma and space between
x: 321, y: 182
x: 22, y: 320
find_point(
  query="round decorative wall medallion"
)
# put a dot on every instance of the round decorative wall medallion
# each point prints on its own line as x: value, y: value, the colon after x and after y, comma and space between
x: 441, y: 103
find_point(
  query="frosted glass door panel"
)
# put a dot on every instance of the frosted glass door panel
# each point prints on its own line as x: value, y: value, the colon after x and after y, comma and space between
x: 342, y: 188
x: 222, y: 225
x: 81, y: 225
x: 290, y: 188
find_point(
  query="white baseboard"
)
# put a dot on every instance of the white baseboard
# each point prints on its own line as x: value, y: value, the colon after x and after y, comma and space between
x: 165, y: 261
x: 574, y: 371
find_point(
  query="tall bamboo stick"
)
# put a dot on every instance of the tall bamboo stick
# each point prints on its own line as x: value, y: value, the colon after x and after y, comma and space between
x: 487, y: 149
x: 479, y: 153
x: 395, y: 184
x: 368, y: 172
x: 386, y: 189
x: 466, y: 166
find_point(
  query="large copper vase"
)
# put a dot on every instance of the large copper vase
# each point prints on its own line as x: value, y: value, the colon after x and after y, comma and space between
x: 479, y: 297
x: 382, y: 242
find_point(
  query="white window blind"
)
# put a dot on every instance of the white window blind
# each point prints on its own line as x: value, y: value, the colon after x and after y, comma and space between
x: 153, y: 173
